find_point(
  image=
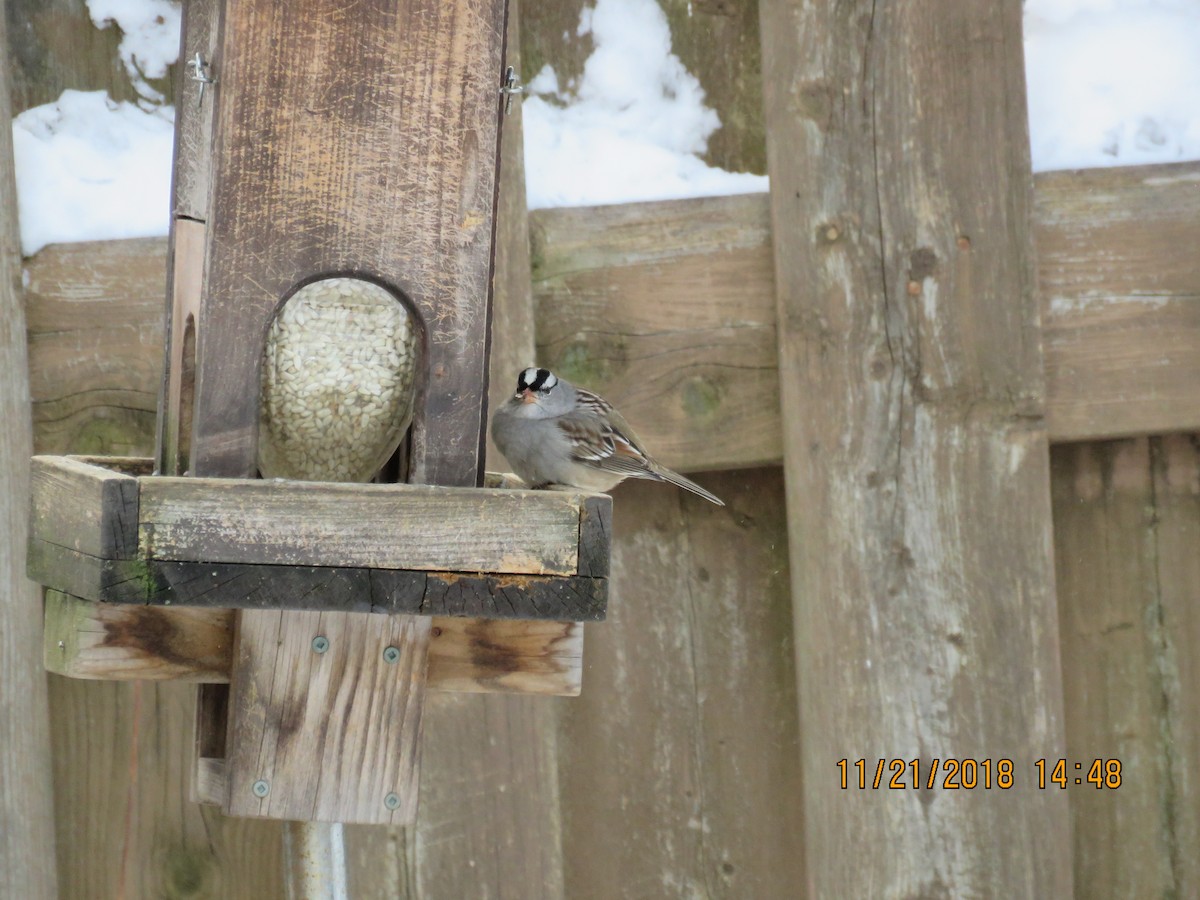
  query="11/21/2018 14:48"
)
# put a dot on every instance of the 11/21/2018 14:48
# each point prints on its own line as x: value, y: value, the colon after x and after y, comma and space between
x: 971, y: 774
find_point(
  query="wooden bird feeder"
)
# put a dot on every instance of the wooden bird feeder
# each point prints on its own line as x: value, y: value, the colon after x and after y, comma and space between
x: 353, y: 154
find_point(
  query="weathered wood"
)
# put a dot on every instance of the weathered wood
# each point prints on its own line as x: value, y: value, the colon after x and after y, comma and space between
x: 665, y: 309
x: 89, y: 509
x: 1117, y: 317
x: 115, y: 642
x: 687, y: 733
x: 95, y: 344
x: 395, y: 526
x: 915, y: 446
x: 1121, y: 304
x: 127, y: 826
x: 330, y: 732
x: 316, y: 588
x: 195, y: 113
x: 1126, y: 517
x: 122, y: 643
x: 414, y: 211
x: 26, y: 798
x: 1176, y: 468
x: 178, y: 391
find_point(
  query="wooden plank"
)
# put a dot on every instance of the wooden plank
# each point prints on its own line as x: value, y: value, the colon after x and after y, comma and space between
x: 679, y: 762
x: 1176, y: 462
x: 1119, y: 311
x: 382, y: 526
x: 195, y: 113
x: 90, y: 509
x: 95, y: 344
x: 27, y: 838
x: 326, y: 735
x: 666, y: 310
x: 419, y: 110
x: 128, y: 826
x: 315, y: 588
x: 115, y: 642
x: 1120, y: 512
x: 914, y: 437
x: 1121, y: 305
x: 489, y: 783
x: 1134, y: 341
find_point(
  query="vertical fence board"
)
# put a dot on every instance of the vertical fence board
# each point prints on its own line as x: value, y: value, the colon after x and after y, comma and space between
x: 27, y: 864
x: 1176, y: 467
x: 915, y: 443
x: 1127, y: 528
x: 679, y: 774
x: 1112, y: 642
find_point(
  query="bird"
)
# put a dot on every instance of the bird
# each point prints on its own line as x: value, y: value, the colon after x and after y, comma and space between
x: 559, y: 436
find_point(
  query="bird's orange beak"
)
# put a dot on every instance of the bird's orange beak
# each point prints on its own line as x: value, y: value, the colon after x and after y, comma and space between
x: 529, y: 396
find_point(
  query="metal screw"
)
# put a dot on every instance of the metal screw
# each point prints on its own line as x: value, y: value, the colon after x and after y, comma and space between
x: 391, y: 654
x: 392, y: 801
x: 320, y: 643
x: 512, y: 87
x: 199, y: 68
x: 260, y: 788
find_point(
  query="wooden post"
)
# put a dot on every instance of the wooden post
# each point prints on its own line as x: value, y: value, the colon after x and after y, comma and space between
x: 27, y: 858
x: 915, y: 445
x: 345, y: 145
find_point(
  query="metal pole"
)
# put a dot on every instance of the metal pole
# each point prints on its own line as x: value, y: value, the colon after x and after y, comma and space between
x: 314, y: 861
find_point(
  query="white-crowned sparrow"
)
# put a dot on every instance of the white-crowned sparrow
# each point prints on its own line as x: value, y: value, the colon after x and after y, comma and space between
x: 554, y: 434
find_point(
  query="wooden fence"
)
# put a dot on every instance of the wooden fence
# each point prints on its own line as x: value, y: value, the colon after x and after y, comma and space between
x: 678, y: 771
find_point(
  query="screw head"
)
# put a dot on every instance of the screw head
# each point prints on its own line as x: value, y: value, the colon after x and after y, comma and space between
x: 392, y: 801
x: 260, y: 788
x: 320, y: 643
x: 391, y: 654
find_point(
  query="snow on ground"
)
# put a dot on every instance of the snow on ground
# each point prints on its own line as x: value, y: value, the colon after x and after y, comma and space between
x: 90, y: 169
x: 632, y: 127
x: 1111, y: 82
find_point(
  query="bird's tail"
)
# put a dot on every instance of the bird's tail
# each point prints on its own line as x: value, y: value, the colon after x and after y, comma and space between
x: 679, y: 481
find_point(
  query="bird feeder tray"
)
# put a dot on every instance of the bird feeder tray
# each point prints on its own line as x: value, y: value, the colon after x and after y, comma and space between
x: 107, y: 530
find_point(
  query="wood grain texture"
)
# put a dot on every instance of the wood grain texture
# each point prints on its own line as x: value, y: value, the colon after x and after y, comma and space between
x: 394, y: 526
x: 385, y: 168
x: 95, y: 344
x: 664, y: 308
x: 915, y: 444
x: 1121, y: 304
x: 1119, y: 318
x: 26, y: 798
x: 1127, y: 516
x: 195, y: 113
x: 87, y: 508
x: 112, y: 642
x: 679, y: 762
x: 115, y: 642
x: 489, y: 785
x: 126, y: 823
x: 332, y: 733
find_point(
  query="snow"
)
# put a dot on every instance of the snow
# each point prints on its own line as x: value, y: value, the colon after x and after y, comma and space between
x: 90, y: 169
x: 633, y: 126
x: 1111, y: 82
x: 150, y: 37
